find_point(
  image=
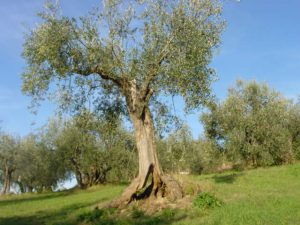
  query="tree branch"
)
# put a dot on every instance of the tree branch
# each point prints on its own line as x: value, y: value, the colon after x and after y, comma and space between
x: 104, y: 75
x: 162, y: 56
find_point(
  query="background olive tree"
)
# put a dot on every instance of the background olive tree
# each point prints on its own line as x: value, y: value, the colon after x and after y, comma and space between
x: 9, y: 146
x: 96, y: 150
x: 181, y: 153
x: 252, y: 125
x: 38, y: 166
x: 294, y: 128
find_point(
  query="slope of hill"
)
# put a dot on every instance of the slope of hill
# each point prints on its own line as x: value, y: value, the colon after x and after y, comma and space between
x: 266, y: 196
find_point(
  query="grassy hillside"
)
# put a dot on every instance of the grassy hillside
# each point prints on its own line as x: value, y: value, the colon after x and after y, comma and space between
x: 268, y: 196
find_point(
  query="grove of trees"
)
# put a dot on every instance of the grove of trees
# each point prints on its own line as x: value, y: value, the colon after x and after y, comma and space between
x: 254, y: 126
x: 118, y: 65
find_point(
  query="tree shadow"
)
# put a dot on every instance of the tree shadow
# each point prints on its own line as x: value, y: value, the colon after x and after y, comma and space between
x: 70, y: 215
x: 62, y: 216
x: 145, y: 220
x: 101, y: 217
x: 35, y: 197
x: 47, y: 217
x: 31, y: 220
x: 228, y: 178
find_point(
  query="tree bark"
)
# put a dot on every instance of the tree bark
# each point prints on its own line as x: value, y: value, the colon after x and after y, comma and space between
x: 150, y: 182
x: 78, y: 174
x: 21, y: 187
x: 79, y: 178
x: 30, y: 189
x: 7, y: 179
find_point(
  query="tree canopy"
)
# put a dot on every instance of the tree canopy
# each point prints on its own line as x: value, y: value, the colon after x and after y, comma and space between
x: 163, y: 47
x: 252, y: 125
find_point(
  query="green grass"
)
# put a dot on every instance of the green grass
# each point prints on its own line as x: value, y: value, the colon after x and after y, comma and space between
x: 269, y: 196
x: 53, y: 208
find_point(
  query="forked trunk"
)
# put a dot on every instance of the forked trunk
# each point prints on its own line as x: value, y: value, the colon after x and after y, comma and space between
x: 148, y: 162
x: 7, y: 179
x: 78, y: 174
x: 150, y: 182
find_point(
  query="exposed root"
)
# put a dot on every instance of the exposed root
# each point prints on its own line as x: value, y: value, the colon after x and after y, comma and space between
x: 166, y: 187
x: 172, y: 189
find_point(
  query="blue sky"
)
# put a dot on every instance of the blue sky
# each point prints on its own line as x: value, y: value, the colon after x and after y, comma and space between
x: 261, y: 42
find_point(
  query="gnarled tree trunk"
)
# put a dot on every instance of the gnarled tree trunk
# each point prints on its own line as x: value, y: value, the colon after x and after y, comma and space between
x: 78, y: 174
x: 150, y: 182
x: 7, y: 178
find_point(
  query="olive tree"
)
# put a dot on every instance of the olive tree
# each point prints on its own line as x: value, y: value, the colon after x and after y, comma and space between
x: 252, y: 125
x: 9, y: 147
x: 38, y: 165
x: 127, y: 54
x: 175, y: 149
x: 294, y: 128
x: 82, y: 146
x: 76, y: 147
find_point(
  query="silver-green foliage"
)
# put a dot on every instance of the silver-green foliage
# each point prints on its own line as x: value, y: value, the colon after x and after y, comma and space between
x: 252, y: 125
x: 38, y: 165
x: 163, y: 47
x: 294, y: 128
x: 96, y: 150
x: 180, y: 152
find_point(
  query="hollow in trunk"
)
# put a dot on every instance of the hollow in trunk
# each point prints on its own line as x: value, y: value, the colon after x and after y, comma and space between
x: 150, y: 182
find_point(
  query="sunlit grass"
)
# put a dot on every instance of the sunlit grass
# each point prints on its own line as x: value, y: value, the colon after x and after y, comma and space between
x: 266, y: 196
x: 53, y: 208
x: 261, y: 196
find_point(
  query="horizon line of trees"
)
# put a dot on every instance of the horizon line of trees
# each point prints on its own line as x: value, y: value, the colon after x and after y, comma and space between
x: 254, y: 126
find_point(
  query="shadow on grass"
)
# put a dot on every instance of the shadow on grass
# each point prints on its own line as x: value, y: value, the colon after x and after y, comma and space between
x: 228, y: 178
x: 59, y: 216
x: 32, y: 220
x: 35, y: 197
x: 137, y: 217
x: 145, y: 220
x: 71, y: 216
